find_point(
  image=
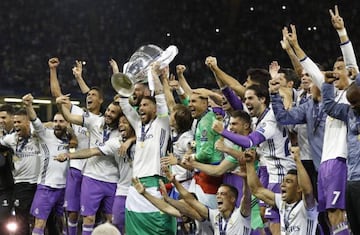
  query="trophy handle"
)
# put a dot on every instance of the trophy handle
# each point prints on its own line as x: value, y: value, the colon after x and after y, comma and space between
x: 123, y: 84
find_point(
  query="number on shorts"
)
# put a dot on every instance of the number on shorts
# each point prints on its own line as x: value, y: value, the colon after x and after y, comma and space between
x: 336, y: 197
x: 268, y: 211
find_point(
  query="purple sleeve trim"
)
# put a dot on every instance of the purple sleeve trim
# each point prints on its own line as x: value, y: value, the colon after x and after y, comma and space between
x: 251, y: 140
x: 232, y: 98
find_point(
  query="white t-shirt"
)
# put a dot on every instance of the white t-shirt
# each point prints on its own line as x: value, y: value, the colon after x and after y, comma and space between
x: 82, y: 136
x: 52, y: 172
x: 152, y: 147
x: 335, y: 136
x: 236, y: 225
x: 179, y: 149
x: 100, y: 167
x: 26, y: 157
x: 275, y: 150
x: 295, y: 219
x: 111, y: 148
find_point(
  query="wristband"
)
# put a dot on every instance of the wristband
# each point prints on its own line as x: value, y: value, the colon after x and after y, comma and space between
x: 342, y: 32
x: 180, y: 91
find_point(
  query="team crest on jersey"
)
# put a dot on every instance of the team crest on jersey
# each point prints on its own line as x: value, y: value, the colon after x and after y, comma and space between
x: 203, y: 136
x: 261, y: 127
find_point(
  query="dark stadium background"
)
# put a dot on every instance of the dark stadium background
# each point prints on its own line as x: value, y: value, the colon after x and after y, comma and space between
x: 241, y: 34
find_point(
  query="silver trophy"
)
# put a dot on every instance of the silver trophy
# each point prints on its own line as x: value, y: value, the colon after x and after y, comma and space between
x: 136, y: 70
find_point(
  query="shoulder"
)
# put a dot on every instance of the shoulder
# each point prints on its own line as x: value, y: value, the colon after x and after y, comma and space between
x: 213, y: 214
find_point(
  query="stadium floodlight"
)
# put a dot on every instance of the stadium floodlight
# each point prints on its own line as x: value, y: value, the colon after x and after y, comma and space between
x: 35, y: 101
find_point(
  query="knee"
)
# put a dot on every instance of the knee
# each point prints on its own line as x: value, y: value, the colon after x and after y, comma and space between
x: 73, y: 216
x: 108, y: 218
x: 40, y: 223
x: 336, y: 216
x: 89, y: 219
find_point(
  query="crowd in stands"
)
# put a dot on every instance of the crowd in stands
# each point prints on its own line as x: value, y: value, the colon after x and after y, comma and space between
x: 209, y: 147
x: 94, y: 31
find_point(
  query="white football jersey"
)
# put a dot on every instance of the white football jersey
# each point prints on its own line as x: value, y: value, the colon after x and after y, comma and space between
x: 179, y: 149
x: 82, y: 136
x: 335, y: 147
x: 52, y: 172
x: 26, y: 157
x: 152, y: 138
x: 236, y: 225
x: 275, y: 150
x: 100, y: 167
x: 295, y: 219
x: 111, y: 148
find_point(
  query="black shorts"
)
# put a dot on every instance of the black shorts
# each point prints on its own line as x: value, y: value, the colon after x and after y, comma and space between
x: 5, y: 204
x: 23, y: 195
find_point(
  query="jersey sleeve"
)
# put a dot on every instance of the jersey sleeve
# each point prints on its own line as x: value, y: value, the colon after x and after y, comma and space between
x: 111, y: 147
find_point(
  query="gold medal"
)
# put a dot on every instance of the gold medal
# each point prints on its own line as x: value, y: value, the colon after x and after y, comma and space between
x: 142, y: 144
x: 359, y: 137
x: 15, y: 158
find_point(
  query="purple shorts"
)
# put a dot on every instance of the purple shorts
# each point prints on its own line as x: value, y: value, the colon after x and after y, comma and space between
x: 332, y: 184
x: 72, y: 190
x: 119, y: 213
x: 95, y: 193
x: 45, y: 200
x: 272, y: 213
x: 264, y: 180
x: 237, y: 182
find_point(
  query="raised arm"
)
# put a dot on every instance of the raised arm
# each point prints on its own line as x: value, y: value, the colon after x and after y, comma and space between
x: 54, y: 82
x: 345, y: 44
x: 227, y: 80
x: 180, y: 69
x: 161, y: 106
x: 211, y: 62
x: 245, y: 206
x: 292, y: 56
x: 181, y: 205
x: 77, y: 71
x: 332, y: 108
x: 309, y: 66
x: 303, y: 180
x: 170, y: 101
x: 191, y: 200
x: 63, y: 104
x: 114, y: 66
x: 256, y: 188
x: 27, y: 101
x: 295, y: 115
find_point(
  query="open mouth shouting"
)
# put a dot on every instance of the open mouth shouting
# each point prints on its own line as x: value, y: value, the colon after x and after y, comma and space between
x: 220, y: 203
x: 88, y: 102
x: 251, y: 110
